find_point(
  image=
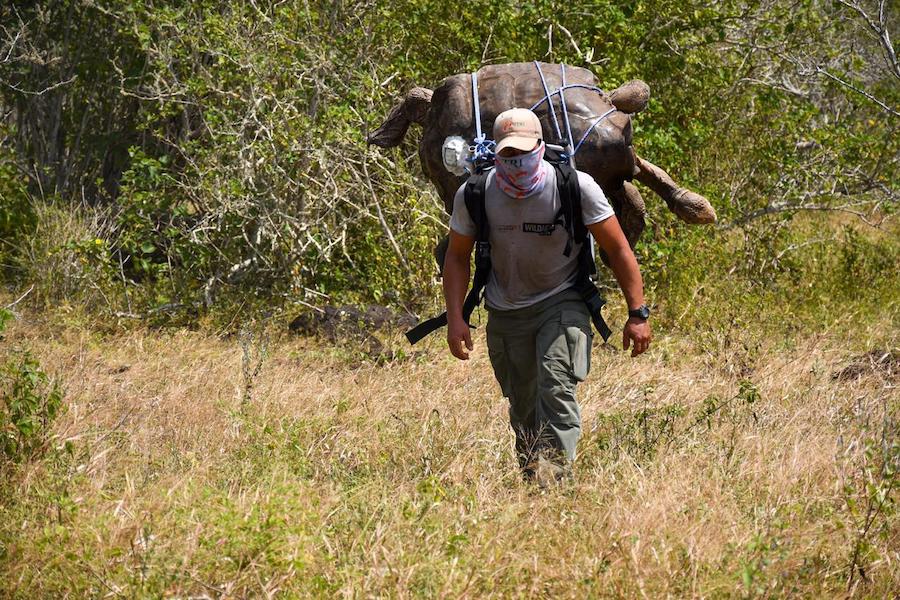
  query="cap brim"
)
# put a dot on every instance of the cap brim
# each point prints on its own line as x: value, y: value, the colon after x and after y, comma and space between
x: 519, y: 142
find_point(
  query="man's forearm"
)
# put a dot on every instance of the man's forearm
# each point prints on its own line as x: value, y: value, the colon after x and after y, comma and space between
x: 621, y: 259
x: 625, y: 267
x: 608, y: 234
x: 455, y: 282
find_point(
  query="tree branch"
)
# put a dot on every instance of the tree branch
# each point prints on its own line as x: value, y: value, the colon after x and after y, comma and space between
x: 43, y: 91
x: 881, y: 32
x: 857, y: 90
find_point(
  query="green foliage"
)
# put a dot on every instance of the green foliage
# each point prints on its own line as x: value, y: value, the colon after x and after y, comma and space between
x: 760, y: 553
x: 150, y: 230
x: 224, y: 143
x: 770, y: 278
x: 639, y: 435
x: 31, y: 401
x: 870, y: 489
x: 17, y: 219
x: 642, y: 434
x: 65, y: 257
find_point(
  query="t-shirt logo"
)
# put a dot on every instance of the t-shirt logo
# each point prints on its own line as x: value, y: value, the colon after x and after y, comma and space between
x: 539, y: 228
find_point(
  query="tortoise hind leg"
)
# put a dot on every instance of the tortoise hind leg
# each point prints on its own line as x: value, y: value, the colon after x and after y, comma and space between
x: 630, y: 210
x: 440, y: 253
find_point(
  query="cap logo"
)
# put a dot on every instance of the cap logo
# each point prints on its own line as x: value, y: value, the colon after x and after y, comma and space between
x: 510, y: 125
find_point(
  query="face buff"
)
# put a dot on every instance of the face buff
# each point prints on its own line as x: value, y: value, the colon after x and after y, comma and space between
x: 521, y: 176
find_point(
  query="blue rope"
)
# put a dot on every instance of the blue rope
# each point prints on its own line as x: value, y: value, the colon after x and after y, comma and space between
x: 591, y: 128
x: 483, y: 148
x: 567, y: 87
x: 562, y: 102
x: 549, y: 100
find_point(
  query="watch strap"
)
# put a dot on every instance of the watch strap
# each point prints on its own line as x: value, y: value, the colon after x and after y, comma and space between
x: 642, y: 312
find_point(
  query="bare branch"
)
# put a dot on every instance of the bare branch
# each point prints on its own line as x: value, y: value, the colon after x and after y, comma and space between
x: 858, y: 91
x: 12, y: 305
x: 881, y: 32
x: 788, y: 207
x: 43, y: 91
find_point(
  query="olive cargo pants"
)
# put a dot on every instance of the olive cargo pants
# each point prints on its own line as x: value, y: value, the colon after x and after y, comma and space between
x: 539, y: 353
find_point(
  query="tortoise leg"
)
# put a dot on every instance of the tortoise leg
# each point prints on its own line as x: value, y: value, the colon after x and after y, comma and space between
x: 689, y: 206
x: 629, y: 207
x: 440, y: 253
x: 411, y: 109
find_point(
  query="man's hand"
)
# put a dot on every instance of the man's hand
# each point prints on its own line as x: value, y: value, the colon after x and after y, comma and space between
x: 456, y: 280
x: 459, y: 338
x: 637, y: 334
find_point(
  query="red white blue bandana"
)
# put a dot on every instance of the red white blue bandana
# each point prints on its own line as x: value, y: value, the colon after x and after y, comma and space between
x: 521, y: 176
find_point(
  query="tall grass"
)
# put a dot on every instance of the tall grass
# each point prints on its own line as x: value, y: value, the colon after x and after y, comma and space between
x: 739, y: 469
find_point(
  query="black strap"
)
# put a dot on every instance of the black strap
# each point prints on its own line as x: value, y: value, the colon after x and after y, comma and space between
x: 569, y: 198
x: 570, y: 209
x: 424, y: 328
x: 474, y: 198
x: 594, y: 302
x: 473, y: 299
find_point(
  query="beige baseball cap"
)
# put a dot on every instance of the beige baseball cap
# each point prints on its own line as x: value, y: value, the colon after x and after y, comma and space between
x: 517, y: 128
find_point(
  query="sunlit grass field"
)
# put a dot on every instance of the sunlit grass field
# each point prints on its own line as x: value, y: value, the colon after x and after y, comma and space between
x: 190, y: 465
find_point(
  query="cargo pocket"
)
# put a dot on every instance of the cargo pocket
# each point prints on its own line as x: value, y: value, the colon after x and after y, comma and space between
x: 579, y: 338
x: 499, y: 362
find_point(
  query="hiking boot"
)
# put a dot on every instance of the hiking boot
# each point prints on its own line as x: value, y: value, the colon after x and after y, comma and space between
x: 549, y: 473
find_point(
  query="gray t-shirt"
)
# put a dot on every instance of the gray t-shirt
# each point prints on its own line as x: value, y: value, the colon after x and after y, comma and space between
x: 527, y: 261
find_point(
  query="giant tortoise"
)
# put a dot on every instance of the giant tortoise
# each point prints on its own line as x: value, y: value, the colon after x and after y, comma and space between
x: 600, y: 122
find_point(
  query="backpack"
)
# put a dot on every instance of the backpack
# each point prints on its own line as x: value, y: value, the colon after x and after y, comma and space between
x: 569, y: 216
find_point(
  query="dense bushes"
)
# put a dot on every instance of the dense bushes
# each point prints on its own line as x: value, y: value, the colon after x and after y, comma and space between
x: 165, y: 158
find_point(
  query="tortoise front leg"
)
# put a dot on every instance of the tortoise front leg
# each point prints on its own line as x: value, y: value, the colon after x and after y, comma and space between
x: 689, y: 206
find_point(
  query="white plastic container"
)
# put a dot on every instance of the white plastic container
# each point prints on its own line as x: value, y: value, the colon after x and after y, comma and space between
x: 455, y: 153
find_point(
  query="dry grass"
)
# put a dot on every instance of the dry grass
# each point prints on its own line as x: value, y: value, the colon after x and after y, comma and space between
x: 704, y: 472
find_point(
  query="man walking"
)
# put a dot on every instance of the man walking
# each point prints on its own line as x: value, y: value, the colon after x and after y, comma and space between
x: 539, y: 328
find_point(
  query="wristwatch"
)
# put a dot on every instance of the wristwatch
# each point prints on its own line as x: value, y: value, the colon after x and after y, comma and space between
x: 642, y: 312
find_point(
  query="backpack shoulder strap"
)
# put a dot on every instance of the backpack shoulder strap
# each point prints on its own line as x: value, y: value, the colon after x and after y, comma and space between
x: 570, y: 204
x: 474, y: 195
x: 570, y: 201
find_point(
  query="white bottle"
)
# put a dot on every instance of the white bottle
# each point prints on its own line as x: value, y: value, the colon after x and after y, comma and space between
x: 455, y: 153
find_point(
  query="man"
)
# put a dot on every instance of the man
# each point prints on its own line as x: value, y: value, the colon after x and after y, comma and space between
x: 539, y: 329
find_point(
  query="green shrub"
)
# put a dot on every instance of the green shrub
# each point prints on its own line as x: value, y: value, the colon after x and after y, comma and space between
x: 66, y: 256
x: 31, y: 401
x: 17, y: 218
